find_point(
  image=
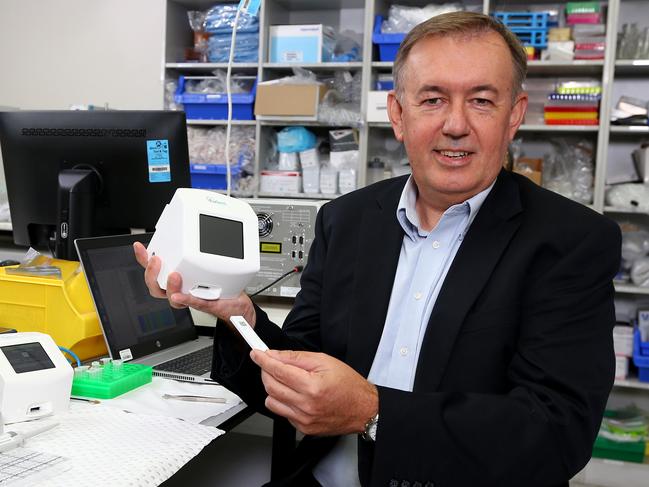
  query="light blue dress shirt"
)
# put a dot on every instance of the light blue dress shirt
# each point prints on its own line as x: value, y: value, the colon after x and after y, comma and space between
x: 424, y: 261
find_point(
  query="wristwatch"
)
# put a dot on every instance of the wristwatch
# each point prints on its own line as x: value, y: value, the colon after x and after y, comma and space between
x: 369, y: 434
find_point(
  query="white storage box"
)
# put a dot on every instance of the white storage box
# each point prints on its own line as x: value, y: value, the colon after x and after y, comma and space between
x: 310, y: 43
x: 377, y: 106
x: 280, y: 182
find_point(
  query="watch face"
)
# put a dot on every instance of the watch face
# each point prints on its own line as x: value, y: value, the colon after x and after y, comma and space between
x: 370, y: 429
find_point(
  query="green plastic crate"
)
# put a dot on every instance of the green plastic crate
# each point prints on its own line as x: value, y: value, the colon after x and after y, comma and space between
x: 631, y: 451
x: 111, y: 381
x: 582, y: 7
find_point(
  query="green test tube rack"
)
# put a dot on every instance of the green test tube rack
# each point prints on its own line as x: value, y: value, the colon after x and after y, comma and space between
x: 110, y: 379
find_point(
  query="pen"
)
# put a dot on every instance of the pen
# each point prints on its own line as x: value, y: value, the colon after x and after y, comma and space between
x: 12, y: 439
x: 180, y: 397
x: 85, y: 399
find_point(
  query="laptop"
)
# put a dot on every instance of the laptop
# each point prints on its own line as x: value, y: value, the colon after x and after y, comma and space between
x: 137, y: 327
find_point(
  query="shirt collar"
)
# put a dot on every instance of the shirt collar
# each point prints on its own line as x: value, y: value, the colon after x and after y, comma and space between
x: 407, y: 212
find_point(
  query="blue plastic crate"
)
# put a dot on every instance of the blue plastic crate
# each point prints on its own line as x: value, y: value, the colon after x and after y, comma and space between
x: 200, y: 106
x: 532, y: 37
x: 388, y: 44
x: 639, y: 358
x: 530, y: 20
x: 384, y: 85
x: 213, y: 176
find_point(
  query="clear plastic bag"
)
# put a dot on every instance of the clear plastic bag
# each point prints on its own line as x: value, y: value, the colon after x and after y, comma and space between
x: 217, y: 84
x: 630, y: 196
x: 635, y: 245
x: 640, y: 272
x: 295, y: 139
x: 207, y: 146
x: 35, y: 264
x: 403, y: 18
x: 569, y: 169
x: 220, y: 19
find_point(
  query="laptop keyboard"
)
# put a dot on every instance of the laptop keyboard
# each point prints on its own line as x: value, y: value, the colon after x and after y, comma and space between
x: 195, y: 363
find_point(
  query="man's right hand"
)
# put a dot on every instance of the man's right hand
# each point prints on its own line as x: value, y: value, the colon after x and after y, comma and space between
x: 221, y: 308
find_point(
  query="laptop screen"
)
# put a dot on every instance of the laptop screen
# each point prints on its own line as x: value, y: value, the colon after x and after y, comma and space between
x: 132, y: 320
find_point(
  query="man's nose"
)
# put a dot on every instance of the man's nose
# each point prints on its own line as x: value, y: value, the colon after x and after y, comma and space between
x: 456, y: 124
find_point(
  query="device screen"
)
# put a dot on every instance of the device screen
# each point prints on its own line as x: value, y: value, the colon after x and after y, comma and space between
x: 219, y: 236
x: 27, y: 357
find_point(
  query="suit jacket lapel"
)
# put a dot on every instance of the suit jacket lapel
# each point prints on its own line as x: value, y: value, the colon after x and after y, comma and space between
x: 377, y: 256
x: 474, y: 262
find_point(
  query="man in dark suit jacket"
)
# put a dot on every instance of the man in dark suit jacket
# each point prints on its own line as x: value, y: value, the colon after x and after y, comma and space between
x: 515, y: 357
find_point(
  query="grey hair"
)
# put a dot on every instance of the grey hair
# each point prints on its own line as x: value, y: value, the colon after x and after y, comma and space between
x: 461, y: 23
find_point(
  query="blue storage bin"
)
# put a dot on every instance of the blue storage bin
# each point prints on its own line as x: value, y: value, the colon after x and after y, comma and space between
x: 384, y: 85
x: 532, y: 37
x: 530, y: 20
x: 214, y: 176
x: 641, y: 356
x: 214, y: 106
x: 388, y: 44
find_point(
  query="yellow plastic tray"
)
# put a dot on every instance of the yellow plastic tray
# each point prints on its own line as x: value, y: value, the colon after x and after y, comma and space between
x: 62, y: 308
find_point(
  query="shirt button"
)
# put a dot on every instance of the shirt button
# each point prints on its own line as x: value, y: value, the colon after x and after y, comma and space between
x: 436, y: 244
x: 403, y: 351
x: 417, y: 296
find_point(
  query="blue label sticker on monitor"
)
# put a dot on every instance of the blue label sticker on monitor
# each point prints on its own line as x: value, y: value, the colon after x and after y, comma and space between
x: 158, y: 155
x: 249, y: 6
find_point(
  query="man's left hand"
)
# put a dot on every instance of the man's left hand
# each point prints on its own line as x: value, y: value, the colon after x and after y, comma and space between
x: 317, y: 393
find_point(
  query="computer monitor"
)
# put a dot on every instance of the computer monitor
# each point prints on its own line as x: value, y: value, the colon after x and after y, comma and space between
x: 73, y: 174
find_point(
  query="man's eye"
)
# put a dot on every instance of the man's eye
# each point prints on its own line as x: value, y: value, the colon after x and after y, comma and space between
x: 433, y: 101
x: 482, y: 101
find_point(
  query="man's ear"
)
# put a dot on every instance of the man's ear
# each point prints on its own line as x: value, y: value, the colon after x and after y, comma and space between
x: 394, y: 114
x: 518, y: 114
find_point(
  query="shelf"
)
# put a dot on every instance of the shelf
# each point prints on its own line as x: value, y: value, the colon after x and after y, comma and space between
x: 631, y: 383
x: 540, y: 67
x: 383, y: 125
x: 316, y: 66
x: 208, y: 67
x: 614, y: 209
x: 630, y: 289
x: 311, y: 5
x: 5, y: 227
x: 221, y: 122
x: 557, y: 128
x: 565, y: 67
x: 630, y: 129
x: 306, y: 196
x: 632, y: 66
x: 306, y: 123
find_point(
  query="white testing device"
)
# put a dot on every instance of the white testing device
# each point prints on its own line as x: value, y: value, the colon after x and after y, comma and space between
x: 212, y: 240
x: 35, y: 377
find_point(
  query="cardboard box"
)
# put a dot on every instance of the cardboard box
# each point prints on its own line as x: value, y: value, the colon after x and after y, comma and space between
x: 288, y: 101
x: 308, y: 43
x: 530, y: 168
x: 377, y: 106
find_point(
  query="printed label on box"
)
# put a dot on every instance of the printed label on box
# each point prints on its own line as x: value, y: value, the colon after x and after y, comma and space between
x: 158, y: 156
x: 288, y: 291
x: 249, y: 6
x: 126, y: 354
x: 292, y: 56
